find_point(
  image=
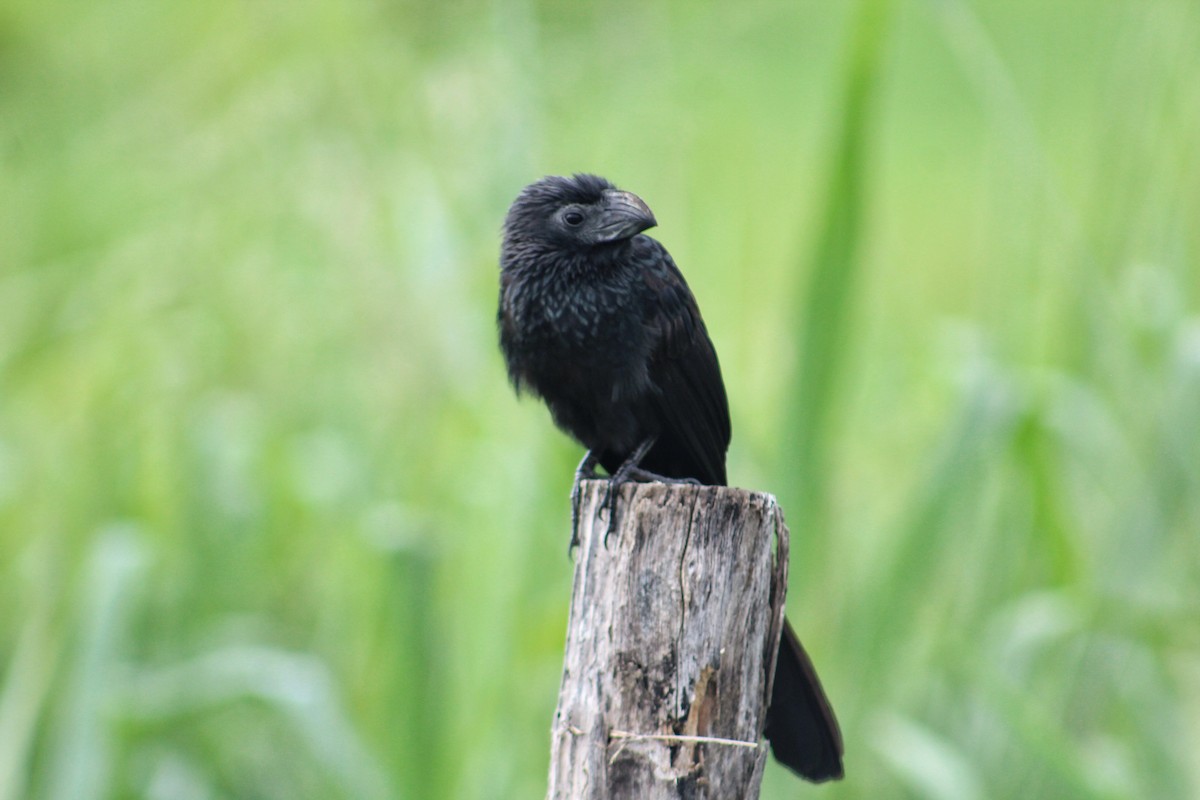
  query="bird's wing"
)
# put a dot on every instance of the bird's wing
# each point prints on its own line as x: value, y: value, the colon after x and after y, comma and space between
x: 689, y: 393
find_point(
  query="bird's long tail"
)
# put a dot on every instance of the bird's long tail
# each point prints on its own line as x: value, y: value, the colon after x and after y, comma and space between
x: 801, y: 727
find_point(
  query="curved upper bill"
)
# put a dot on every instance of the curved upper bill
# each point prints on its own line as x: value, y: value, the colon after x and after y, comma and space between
x: 624, y: 215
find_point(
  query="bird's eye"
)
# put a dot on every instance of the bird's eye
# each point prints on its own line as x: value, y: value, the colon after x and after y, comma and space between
x: 573, y: 218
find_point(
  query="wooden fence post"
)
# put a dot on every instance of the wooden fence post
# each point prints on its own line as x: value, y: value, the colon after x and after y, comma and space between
x: 671, y: 642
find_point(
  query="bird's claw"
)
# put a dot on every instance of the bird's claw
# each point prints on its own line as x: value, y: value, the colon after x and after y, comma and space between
x: 611, y: 494
x: 585, y: 470
x: 626, y: 472
x: 576, y: 500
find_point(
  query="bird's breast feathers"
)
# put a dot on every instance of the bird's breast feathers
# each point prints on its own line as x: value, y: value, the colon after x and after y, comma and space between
x: 583, y: 315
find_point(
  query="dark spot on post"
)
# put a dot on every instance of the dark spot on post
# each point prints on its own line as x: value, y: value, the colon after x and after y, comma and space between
x: 692, y: 787
x: 623, y: 774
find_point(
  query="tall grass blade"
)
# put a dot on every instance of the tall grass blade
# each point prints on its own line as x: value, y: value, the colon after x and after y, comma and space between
x: 827, y: 299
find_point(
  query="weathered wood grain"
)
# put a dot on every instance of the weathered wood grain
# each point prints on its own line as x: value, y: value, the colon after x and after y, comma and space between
x: 673, y: 630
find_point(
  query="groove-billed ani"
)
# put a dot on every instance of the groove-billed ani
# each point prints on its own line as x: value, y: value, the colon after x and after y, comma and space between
x: 597, y: 320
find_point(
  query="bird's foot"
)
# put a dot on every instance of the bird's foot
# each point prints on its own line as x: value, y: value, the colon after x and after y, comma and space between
x: 585, y: 471
x: 646, y: 476
x: 628, y: 471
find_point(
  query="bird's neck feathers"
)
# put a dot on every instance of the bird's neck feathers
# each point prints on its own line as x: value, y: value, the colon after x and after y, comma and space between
x: 535, y: 260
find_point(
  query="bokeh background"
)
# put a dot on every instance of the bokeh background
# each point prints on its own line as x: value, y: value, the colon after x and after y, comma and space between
x: 272, y: 524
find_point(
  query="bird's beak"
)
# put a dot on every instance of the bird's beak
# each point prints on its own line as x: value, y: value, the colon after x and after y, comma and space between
x: 624, y: 215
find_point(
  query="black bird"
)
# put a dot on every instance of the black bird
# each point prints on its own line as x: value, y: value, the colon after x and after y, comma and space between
x: 596, y: 319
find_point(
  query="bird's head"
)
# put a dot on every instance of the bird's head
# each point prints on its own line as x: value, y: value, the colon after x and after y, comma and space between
x: 579, y: 213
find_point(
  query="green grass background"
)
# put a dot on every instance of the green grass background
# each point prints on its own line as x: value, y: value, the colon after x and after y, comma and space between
x: 272, y: 525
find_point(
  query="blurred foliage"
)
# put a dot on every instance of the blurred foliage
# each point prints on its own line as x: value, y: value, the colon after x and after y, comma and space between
x: 273, y: 526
